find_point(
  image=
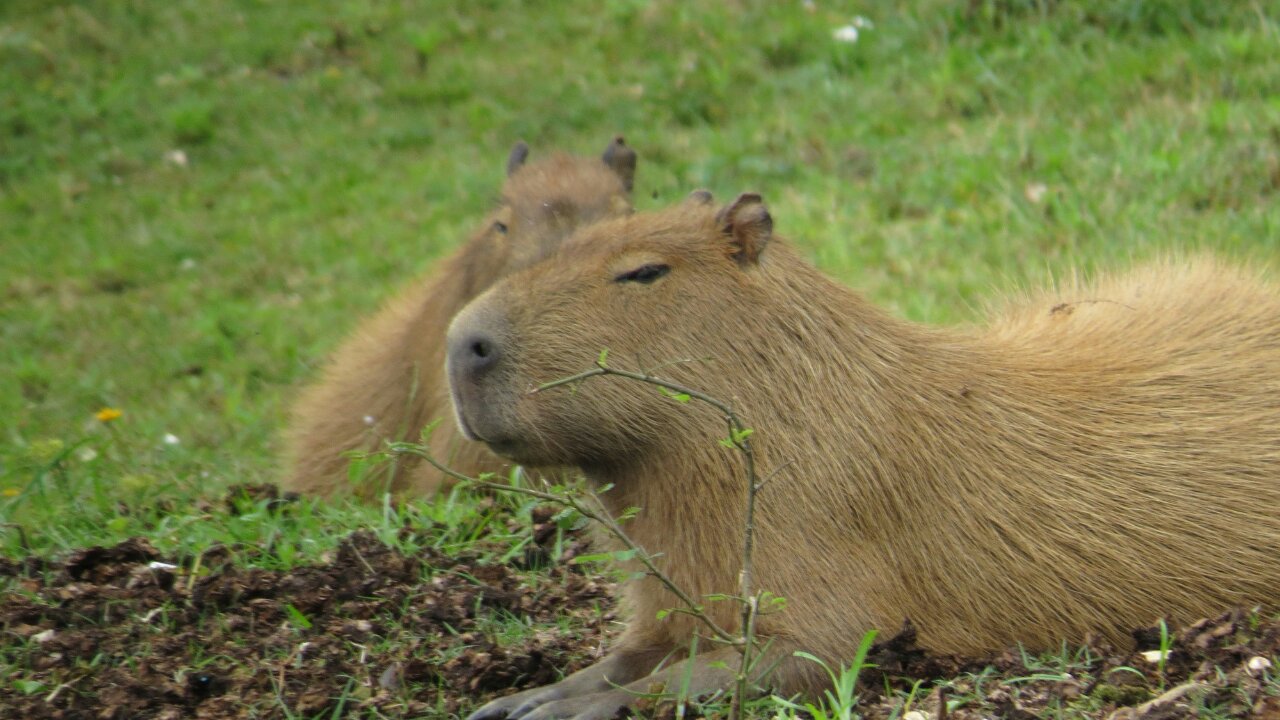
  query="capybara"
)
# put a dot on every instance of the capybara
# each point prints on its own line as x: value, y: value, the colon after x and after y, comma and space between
x: 1097, y: 457
x: 386, y: 382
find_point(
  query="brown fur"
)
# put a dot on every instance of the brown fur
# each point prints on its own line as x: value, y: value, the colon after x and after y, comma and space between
x: 386, y: 381
x: 1095, y: 457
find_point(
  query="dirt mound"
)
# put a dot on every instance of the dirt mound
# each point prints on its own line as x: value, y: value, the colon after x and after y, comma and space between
x: 123, y: 632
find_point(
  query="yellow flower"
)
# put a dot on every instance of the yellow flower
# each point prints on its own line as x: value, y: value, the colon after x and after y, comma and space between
x: 10, y: 492
x: 107, y: 414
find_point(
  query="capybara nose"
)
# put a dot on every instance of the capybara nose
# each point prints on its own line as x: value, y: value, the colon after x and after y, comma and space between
x: 474, y: 354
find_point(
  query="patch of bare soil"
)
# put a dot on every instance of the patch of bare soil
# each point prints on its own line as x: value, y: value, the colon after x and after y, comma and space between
x: 124, y: 632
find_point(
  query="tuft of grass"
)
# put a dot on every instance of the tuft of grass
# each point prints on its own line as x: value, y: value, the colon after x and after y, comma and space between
x: 840, y: 701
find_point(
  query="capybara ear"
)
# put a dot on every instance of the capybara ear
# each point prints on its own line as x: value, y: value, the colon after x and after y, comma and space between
x: 518, y: 155
x: 622, y: 160
x: 700, y: 197
x: 747, y: 222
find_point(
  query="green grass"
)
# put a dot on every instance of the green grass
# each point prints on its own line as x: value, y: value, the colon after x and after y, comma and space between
x: 197, y: 201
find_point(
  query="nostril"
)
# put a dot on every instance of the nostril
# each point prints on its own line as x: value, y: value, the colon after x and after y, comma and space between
x: 478, y: 353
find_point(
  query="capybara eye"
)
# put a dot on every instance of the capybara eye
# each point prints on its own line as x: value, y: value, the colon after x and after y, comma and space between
x: 500, y: 226
x: 644, y: 274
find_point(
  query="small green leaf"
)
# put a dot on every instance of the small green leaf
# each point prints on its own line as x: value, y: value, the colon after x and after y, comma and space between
x: 589, y: 558
x: 737, y: 438
x: 616, y: 556
x: 427, y: 429
x: 296, y: 617
x: 28, y: 687
x: 678, y: 397
x: 662, y: 614
x: 357, y: 469
x: 603, y: 357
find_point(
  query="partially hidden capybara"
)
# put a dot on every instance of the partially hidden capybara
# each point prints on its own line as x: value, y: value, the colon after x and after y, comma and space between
x: 386, y: 381
x: 1095, y: 457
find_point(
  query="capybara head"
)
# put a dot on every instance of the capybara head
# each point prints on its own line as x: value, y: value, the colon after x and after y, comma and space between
x: 672, y: 288
x: 543, y: 202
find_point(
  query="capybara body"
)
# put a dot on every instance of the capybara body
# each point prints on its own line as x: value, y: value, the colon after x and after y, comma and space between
x: 1096, y: 457
x: 385, y: 382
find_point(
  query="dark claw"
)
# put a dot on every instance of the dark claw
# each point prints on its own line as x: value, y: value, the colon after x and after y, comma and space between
x: 491, y: 711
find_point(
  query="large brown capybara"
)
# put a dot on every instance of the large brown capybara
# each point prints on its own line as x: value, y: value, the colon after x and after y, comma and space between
x: 386, y: 382
x: 1099, y: 456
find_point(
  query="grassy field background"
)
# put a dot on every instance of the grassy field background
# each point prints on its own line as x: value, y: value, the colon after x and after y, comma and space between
x: 198, y: 200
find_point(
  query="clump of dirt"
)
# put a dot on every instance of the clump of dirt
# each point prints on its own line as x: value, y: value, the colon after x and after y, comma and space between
x: 123, y: 632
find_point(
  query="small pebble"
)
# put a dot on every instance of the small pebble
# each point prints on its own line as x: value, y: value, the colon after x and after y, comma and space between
x: 1154, y: 656
x: 392, y: 678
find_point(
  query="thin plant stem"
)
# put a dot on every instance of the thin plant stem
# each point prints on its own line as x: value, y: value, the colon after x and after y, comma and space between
x: 739, y: 439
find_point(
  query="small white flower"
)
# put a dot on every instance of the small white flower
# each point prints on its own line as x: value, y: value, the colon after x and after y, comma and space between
x: 157, y: 565
x: 170, y: 439
x: 368, y: 420
x: 850, y: 33
x: 87, y: 454
x: 187, y: 264
x: 176, y: 157
x: 846, y: 34
x: 43, y: 637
